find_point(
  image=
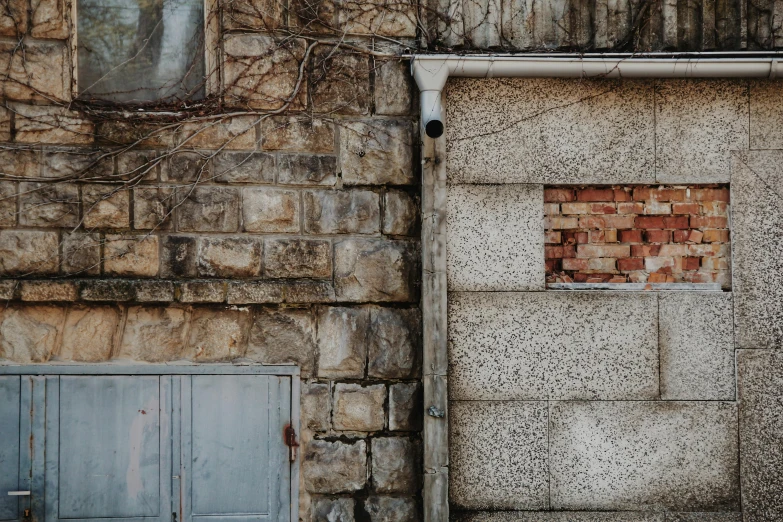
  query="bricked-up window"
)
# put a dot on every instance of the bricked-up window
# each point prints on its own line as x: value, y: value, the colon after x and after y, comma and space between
x: 637, y: 234
x: 137, y: 51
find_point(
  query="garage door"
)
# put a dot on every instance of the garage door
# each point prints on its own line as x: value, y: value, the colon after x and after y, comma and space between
x: 104, y: 443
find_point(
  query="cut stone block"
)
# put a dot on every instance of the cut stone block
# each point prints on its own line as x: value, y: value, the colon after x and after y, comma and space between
x: 333, y: 510
x: 88, y: 335
x: 218, y: 334
x: 498, y: 455
x: 367, y: 270
x: 760, y: 390
x: 553, y: 345
x: 334, y: 467
x: 28, y: 251
x: 550, y: 131
x: 133, y: 256
x: 341, y: 212
x: 262, y: 73
x: 358, y: 408
x: 394, y: 340
x: 48, y: 205
x: 391, y: 509
x: 697, y: 125
x: 154, y: 334
x: 757, y: 218
x: 697, y: 346
x: 316, y: 406
x: 496, y: 237
x: 30, y: 334
x: 405, y: 400
x: 395, y: 465
x: 283, y: 336
x: 678, y: 456
x: 377, y: 152
x: 342, y: 342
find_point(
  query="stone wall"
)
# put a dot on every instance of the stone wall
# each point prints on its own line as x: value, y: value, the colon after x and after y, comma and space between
x: 576, y: 405
x: 246, y: 228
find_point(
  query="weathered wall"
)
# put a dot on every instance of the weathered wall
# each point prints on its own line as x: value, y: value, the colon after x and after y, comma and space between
x: 656, y: 403
x: 250, y: 227
x: 602, y: 25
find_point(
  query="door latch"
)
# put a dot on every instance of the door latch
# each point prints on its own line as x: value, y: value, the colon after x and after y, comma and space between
x: 289, y: 435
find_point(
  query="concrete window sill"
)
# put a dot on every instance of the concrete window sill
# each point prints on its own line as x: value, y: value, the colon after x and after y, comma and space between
x: 636, y: 287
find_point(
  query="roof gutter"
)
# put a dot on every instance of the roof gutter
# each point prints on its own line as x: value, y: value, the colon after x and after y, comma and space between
x: 432, y: 71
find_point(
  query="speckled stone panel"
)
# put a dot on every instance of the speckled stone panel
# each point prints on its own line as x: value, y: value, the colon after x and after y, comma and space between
x: 696, y: 340
x: 553, y: 345
x: 697, y: 125
x: 495, y: 237
x: 760, y: 390
x: 498, y: 455
x: 677, y: 456
x: 766, y: 113
x: 570, y: 516
x: 757, y: 248
x: 550, y: 131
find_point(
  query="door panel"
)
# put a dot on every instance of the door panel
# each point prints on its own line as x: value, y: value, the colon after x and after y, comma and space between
x: 234, y: 457
x: 10, y: 404
x: 108, y: 448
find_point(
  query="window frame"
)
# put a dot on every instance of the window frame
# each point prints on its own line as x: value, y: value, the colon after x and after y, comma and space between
x: 211, y: 49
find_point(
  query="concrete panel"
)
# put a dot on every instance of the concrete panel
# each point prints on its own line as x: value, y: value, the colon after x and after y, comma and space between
x: 697, y: 125
x: 550, y: 131
x: 678, y: 456
x: 757, y: 248
x: 570, y: 516
x: 495, y: 237
x: 696, y: 340
x: 766, y: 113
x: 553, y: 345
x: 498, y: 455
x: 760, y: 390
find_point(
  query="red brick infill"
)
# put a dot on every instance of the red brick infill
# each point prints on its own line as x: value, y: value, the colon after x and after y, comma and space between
x: 636, y: 234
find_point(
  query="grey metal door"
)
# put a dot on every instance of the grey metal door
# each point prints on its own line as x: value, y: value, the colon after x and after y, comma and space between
x: 106, y: 443
x: 108, y: 448
x: 234, y: 460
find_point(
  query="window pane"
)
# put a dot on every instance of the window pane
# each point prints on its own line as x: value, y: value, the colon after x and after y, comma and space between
x: 140, y: 50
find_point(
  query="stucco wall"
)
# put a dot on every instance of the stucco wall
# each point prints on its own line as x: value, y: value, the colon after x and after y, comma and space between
x: 653, y: 403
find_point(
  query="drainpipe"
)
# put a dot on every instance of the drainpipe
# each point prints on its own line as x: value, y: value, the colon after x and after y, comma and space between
x: 431, y: 71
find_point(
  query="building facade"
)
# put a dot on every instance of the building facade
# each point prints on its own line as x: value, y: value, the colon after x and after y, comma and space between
x: 214, y: 209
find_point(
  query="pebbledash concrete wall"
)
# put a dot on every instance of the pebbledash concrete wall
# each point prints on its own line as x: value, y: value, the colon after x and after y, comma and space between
x: 574, y: 405
x: 299, y: 244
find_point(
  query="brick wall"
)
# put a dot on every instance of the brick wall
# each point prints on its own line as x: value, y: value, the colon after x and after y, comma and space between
x: 637, y: 234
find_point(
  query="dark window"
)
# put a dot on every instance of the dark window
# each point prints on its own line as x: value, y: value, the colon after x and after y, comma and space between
x: 137, y: 51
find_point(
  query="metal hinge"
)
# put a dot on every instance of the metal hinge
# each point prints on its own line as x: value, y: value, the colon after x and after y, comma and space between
x: 289, y: 435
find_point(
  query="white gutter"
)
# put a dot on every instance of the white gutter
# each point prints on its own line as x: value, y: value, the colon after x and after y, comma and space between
x: 432, y: 71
